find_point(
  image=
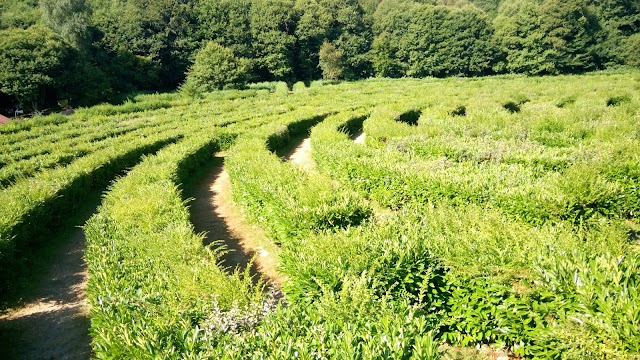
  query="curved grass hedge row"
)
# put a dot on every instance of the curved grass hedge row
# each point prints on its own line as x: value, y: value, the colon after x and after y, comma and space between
x: 429, y: 163
x: 64, y: 153
x: 336, y: 302
x: 33, y: 208
x: 499, y: 211
x: 156, y: 292
x: 286, y: 201
x: 154, y: 289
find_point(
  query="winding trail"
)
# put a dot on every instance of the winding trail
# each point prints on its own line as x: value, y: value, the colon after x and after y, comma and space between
x: 214, y: 213
x: 301, y: 155
x: 360, y: 137
x: 53, y: 322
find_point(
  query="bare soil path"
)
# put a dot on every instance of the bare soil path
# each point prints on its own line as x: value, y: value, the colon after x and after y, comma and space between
x: 214, y: 213
x: 52, y: 322
x: 301, y: 155
x: 360, y: 137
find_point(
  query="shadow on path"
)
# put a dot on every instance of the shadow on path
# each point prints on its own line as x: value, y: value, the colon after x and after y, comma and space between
x: 51, y: 320
x: 210, y: 214
x: 359, y: 137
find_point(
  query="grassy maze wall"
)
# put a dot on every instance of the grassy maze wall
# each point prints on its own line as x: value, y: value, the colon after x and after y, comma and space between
x: 523, y: 214
x: 499, y: 211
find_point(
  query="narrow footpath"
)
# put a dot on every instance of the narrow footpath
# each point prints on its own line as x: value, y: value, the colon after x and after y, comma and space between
x: 53, y: 320
x: 214, y: 213
x: 360, y: 137
x: 301, y: 155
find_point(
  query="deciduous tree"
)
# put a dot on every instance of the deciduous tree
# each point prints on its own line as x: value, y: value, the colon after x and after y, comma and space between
x: 31, y: 61
x: 331, y: 62
x: 216, y: 68
x: 70, y: 19
x: 546, y: 37
x: 273, y: 24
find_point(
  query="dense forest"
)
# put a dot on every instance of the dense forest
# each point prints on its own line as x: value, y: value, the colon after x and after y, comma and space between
x: 79, y: 52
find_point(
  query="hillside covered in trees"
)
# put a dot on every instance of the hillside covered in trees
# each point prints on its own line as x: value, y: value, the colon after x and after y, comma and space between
x: 54, y: 52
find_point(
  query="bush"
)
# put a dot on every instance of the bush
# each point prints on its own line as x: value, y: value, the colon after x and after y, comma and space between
x: 511, y: 107
x: 410, y: 117
x: 299, y: 86
x: 460, y: 110
x: 281, y: 88
x: 566, y: 101
x: 217, y: 68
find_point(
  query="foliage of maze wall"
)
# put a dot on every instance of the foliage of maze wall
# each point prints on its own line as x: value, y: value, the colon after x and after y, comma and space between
x: 499, y: 211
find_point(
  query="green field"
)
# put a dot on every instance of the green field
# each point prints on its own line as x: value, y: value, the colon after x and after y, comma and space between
x: 501, y: 211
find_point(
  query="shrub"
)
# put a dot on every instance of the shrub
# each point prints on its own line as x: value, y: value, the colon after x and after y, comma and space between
x: 299, y: 86
x: 281, y: 88
x: 566, y: 101
x: 410, y: 117
x: 217, y: 68
x: 511, y: 107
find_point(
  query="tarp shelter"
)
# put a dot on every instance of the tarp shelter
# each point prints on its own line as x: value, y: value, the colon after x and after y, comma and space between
x: 4, y: 119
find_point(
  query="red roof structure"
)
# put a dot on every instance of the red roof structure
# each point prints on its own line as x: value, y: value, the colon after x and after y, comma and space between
x: 4, y: 119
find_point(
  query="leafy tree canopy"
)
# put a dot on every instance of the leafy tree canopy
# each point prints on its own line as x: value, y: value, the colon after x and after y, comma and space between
x: 130, y: 45
x: 19, y: 13
x: 547, y: 37
x: 31, y: 61
x: 331, y: 62
x: 427, y: 40
x: 228, y: 22
x: 70, y: 19
x: 273, y: 24
x: 216, y: 68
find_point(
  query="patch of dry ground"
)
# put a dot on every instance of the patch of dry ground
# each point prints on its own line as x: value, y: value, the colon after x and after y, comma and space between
x: 301, y: 156
x: 53, y: 322
x: 360, y: 137
x: 214, y: 213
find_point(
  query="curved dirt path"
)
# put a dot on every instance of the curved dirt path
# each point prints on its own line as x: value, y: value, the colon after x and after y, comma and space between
x: 53, y: 323
x: 301, y: 155
x: 360, y: 137
x: 214, y: 213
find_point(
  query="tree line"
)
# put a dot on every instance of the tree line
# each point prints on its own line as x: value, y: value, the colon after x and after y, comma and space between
x: 85, y: 51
